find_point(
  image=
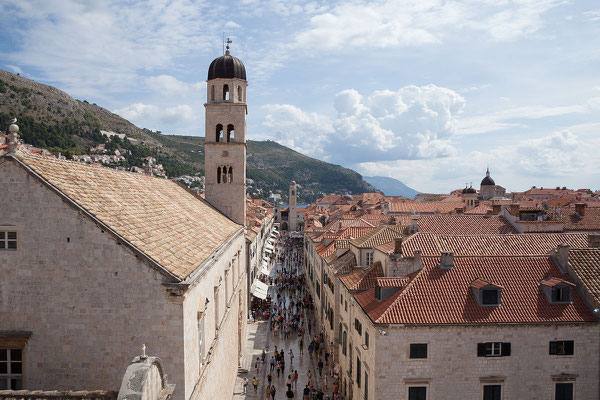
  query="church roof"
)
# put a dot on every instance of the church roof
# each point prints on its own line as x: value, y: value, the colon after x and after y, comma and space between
x: 227, y: 67
x: 165, y: 222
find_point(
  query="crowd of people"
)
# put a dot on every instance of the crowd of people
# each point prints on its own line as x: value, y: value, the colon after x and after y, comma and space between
x: 289, y: 312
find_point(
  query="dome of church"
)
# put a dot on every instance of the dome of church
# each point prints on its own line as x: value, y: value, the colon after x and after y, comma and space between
x: 227, y: 67
x: 488, y: 181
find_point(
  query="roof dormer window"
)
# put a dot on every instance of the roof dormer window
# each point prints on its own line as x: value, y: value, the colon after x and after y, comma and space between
x: 557, y: 290
x: 486, y: 293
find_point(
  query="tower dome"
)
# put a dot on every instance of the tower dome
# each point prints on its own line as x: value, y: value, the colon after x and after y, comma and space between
x: 226, y: 67
x: 487, y: 181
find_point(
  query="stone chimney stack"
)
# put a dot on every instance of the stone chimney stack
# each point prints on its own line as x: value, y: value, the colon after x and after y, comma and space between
x: 580, y: 208
x: 562, y: 255
x: 594, y: 240
x: 513, y: 209
x: 447, y: 260
x: 414, y: 223
x: 496, y: 208
x: 398, y: 246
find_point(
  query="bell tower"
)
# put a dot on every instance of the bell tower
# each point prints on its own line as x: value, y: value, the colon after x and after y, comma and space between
x: 225, y: 137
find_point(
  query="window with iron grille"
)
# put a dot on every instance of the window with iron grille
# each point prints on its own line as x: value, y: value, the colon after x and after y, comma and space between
x: 8, y: 240
x: 11, y: 369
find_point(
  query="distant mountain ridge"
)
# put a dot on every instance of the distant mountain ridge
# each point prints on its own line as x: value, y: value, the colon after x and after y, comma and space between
x: 391, y: 186
x: 50, y: 118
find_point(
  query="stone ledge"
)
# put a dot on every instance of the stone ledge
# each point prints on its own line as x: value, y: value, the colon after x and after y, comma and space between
x: 58, y: 395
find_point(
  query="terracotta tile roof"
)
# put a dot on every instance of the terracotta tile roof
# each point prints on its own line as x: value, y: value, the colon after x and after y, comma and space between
x: 326, y: 250
x: 553, y: 281
x: 574, y: 222
x: 465, y: 224
x: 387, y: 248
x: 397, y: 282
x: 585, y: 263
x: 424, y: 208
x: 481, y: 283
x: 379, y: 235
x: 343, y: 264
x: 161, y: 219
x: 443, y: 296
x: 491, y: 245
x: 362, y: 278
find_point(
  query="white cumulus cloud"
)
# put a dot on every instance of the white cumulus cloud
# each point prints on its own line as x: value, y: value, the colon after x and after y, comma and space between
x: 413, y: 122
x: 145, y: 115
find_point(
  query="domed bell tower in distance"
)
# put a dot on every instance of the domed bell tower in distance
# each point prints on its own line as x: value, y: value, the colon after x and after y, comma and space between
x: 225, y: 137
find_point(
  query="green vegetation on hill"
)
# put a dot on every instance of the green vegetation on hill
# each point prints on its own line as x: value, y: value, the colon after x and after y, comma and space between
x: 51, y: 119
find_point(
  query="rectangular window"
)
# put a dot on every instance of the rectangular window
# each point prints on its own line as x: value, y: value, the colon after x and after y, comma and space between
x: 366, y: 386
x: 489, y: 297
x: 418, y: 350
x: 11, y: 369
x: 563, y: 391
x: 344, y: 343
x: 417, y: 393
x: 201, y: 340
x: 493, y: 349
x: 369, y: 258
x: 366, y: 338
x: 8, y: 240
x: 492, y: 392
x: 341, y: 299
x: 561, y: 294
x: 358, y: 326
x: 562, y: 348
x: 358, y: 366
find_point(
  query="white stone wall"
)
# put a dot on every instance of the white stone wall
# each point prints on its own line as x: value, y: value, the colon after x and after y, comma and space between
x: 89, y: 302
x: 453, y: 370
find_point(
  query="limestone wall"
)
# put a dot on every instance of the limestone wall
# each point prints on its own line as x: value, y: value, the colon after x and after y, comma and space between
x: 452, y: 369
x: 89, y: 302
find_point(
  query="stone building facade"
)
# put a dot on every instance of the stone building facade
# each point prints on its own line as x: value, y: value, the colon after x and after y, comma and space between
x: 98, y: 271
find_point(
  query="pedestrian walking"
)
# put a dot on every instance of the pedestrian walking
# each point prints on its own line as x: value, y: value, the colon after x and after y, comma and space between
x: 255, y: 384
x: 273, y: 391
x: 245, y: 385
x: 268, y: 392
x: 320, y: 366
x: 296, y: 379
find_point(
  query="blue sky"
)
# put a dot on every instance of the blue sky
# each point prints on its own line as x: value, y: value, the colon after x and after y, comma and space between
x: 426, y: 91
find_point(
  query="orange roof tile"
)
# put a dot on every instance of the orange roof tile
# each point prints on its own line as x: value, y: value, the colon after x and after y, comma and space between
x: 362, y: 278
x: 442, y: 296
x: 161, y: 219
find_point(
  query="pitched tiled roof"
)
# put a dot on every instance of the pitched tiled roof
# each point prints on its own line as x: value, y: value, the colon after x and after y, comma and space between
x: 161, y: 219
x: 585, y: 263
x: 443, y: 296
x: 343, y: 264
x: 379, y: 235
x: 362, y: 278
x: 393, y: 281
x: 491, y: 245
x: 465, y: 224
x: 574, y: 222
x: 424, y: 208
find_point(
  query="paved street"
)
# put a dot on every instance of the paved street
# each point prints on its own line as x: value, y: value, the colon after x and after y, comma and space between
x: 260, y: 337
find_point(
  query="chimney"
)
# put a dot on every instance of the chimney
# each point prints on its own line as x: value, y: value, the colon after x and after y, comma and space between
x: 398, y: 246
x: 594, y: 240
x: 340, y: 226
x: 447, y: 260
x: 496, y: 208
x: 13, y: 136
x: 562, y: 255
x: 580, y: 208
x: 414, y: 223
x: 513, y: 209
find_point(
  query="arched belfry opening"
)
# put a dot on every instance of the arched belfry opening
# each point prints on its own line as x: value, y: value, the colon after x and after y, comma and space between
x: 219, y: 133
x: 219, y: 174
x: 212, y: 93
x: 230, y: 133
x: 226, y: 92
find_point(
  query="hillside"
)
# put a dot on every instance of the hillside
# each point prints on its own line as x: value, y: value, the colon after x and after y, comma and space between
x: 391, y: 186
x: 49, y: 118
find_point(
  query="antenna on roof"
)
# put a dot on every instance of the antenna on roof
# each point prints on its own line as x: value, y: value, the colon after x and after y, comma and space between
x: 223, y: 42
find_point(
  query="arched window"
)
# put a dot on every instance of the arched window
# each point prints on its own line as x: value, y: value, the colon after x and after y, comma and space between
x: 219, y: 133
x: 226, y: 92
x: 230, y: 178
x: 212, y: 93
x: 218, y: 174
x: 240, y: 94
x: 230, y: 133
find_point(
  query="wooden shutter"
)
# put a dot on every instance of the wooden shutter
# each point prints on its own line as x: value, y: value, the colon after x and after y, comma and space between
x: 505, y: 351
x: 569, y: 347
x: 553, y: 347
x: 480, y: 349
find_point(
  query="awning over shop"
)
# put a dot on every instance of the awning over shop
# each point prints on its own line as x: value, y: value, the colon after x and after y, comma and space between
x: 264, y: 268
x: 269, y: 247
x: 259, y: 289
